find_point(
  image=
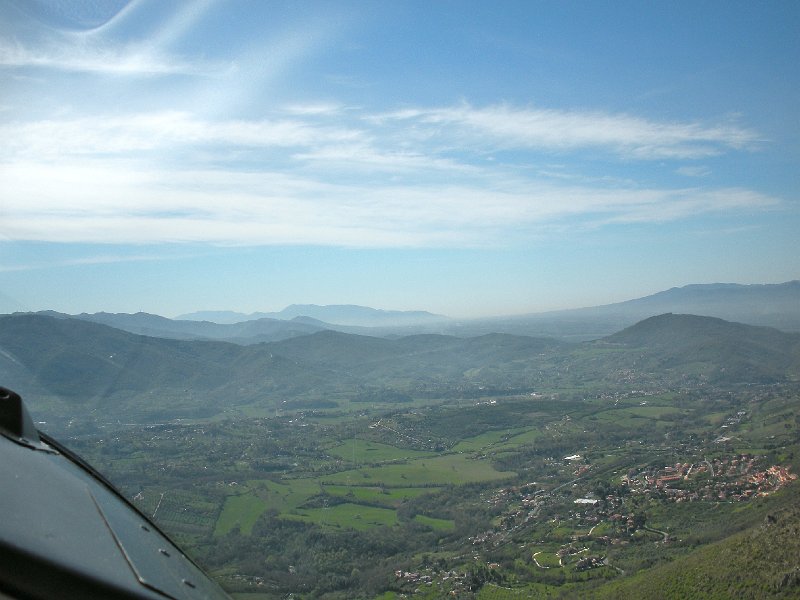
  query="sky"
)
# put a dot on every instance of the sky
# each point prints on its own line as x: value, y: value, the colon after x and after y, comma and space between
x: 470, y: 158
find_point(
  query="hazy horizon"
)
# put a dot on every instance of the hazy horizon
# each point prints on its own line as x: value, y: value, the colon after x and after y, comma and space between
x: 459, y: 158
x: 4, y: 301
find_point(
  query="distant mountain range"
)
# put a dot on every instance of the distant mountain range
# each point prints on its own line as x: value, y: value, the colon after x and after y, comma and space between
x: 245, y: 332
x: 337, y: 314
x: 773, y: 305
x: 77, y: 367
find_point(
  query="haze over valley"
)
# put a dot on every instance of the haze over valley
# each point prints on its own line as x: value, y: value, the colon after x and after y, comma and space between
x: 577, y: 464
x: 392, y: 300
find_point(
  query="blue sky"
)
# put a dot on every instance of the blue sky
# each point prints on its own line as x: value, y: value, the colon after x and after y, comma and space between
x: 467, y: 158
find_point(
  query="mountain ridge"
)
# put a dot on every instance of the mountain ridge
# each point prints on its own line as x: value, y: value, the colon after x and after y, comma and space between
x: 334, y: 314
x: 762, y: 299
x: 90, y: 364
x: 246, y: 332
x: 772, y: 305
x: 712, y: 345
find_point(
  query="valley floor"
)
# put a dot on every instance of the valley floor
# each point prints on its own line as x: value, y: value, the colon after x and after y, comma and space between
x: 547, y: 495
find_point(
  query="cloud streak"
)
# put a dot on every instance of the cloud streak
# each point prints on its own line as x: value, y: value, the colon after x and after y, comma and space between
x: 325, y: 131
x: 509, y: 127
x: 96, y: 57
x: 114, y: 202
x: 96, y: 259
x: 94, y: 51
x: 318, y: 173
x: 164, y: 130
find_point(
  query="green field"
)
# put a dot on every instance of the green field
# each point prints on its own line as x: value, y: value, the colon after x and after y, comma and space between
x: 367, y: 452
x: 480, y: 441
x: 437, y: 470
x: 652, y: 412
x: 241, y: 511
x: 343, y: 516
x: 380, y: 495
x: 256, y: 496
x: 634, y: 416
x: 389, y: 484
x: 546, y: 557
x: 497, y: 440
x: 440, y: 524
x: 285, y: 496
x: 529, y: 592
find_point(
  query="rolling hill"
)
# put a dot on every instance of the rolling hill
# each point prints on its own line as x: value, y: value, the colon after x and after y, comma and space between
x: 771, y: 305
x: 720, y: 349
x: 91, y: 365
x: 759, y: 562
x: 245, y: 332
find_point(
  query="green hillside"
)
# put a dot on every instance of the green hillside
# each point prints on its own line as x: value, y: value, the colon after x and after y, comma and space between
x: 718, y: 349
x: 89, y: 366
x: 69, y: 368
x: 656, y: 462
x: 760, y: 562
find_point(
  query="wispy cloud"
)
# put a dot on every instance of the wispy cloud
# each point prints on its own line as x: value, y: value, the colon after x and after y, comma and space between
x: 95, y: 259
x: 315, y: 109
x: 319, y: 173
x: 161, y: 130
x: 697, y: 171
x: 505, y: 126
x: 98, y: 57
x: 117, y: 203
x: 94, y: 51
x: 328, y: 131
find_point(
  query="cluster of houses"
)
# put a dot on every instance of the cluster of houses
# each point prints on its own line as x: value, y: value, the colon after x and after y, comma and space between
x: 412, y: 582
x: 419, y: 578
x: 589, y: 562
x: 721, y: 479
x: 733, y: 478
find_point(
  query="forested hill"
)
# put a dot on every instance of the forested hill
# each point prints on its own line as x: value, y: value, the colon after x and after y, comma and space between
x: 425, y: 355
x: 721, y: 349
x: 773, y: 305
x: 92, y: 365
x: 675, y: 330
x: 759, y: 562
x: 246, y: 332
x: 82, y: 361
